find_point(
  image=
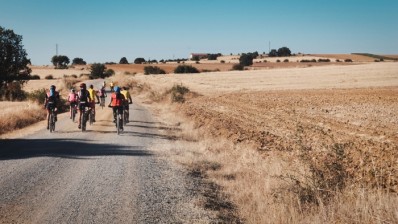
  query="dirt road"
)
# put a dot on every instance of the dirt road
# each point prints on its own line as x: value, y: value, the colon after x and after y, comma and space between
x: 93, y: 177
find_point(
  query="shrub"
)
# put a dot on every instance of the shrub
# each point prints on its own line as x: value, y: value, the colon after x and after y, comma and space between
x: 222, y: 61
x: 186, y: 69
x: 13, y: 92
x: 323, y: 60
x: 109, y: 72
x: 49, y: 77
x: 35, y: 77
x: 178, y: 92
x: 153, y: 70
x: 348, y: 60
x: 38, y: 96
x: 238, y: 67
x: 286, y: 60
x: 278, y: 61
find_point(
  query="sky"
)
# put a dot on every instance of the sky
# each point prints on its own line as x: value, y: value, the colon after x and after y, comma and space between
x: 102, y: 31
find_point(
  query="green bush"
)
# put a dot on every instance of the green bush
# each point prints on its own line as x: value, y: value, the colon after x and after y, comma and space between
x: 348, y: 60
x: 49, y: 77
x: 153, y: 70
x: 324, y: 60
x: 186, y: 69
x: 38, y: 96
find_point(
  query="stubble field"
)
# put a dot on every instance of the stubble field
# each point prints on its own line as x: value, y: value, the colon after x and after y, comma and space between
x: 299, y: 132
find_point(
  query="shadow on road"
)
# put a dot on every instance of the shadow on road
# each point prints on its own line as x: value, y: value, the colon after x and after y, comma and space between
x: 64, y: 148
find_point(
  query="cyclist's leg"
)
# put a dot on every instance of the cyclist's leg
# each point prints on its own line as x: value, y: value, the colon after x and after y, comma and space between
x: 48, y: 117
x: 93, y: 109
x: 80, y: 116
x: 114, y: 113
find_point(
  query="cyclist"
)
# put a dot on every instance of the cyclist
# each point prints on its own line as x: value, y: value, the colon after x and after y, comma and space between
x: 72, y: 99
x: 117, y: 102
x: 51, y: 102
x: 111, y: 86
x: 128, y: 101
x: 93, y: 96
x: 84, y: 100
x: 102, y: 94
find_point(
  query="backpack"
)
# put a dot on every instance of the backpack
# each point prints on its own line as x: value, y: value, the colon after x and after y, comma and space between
x: 83, y: 96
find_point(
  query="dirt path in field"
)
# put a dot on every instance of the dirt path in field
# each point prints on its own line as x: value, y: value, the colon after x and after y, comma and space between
x: 93, y: 177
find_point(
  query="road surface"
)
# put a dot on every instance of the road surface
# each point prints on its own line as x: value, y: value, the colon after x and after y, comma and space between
x: 94, y: 177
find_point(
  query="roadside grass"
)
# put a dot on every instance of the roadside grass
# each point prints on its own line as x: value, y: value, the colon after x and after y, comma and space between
x: 16, y: 115
x: 276, y: 186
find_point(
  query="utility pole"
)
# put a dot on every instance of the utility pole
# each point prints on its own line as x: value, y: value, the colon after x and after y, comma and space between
x: 269, y: 46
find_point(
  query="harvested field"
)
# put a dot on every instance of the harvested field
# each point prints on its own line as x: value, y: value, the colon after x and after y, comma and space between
x: 361, y: 120
x: 326, y: 134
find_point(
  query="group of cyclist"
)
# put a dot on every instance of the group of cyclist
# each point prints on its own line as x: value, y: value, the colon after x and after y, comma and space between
x: 87, y: 98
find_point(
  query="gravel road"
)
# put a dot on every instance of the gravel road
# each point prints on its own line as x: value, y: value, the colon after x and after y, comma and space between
x: 94, y: 177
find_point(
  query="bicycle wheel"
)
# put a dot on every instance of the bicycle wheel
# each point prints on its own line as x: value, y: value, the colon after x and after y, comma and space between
x: 73, y: 114
x: 91, y: 117
x: 118, y: 123
x: 84, y: 120
x: 52, y: 121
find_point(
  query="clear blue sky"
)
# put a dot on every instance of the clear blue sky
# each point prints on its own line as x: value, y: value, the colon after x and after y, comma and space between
x: 104, y: 31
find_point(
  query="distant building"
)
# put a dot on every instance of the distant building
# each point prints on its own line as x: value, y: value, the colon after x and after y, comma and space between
x: 200, y: 55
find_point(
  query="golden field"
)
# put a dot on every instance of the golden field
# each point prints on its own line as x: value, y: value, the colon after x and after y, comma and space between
x: 281, y: 142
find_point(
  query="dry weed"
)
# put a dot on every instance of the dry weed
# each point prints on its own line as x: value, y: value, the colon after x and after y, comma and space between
x: 18, y: 115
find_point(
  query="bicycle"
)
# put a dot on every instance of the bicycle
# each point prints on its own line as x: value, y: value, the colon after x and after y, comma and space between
x: 74, y: 112
x: 91, y: 116
x: 85, y: 116
x: 51, y: 120
x: 125, y: 115
x: 102, y: 102
x: 119, y: 121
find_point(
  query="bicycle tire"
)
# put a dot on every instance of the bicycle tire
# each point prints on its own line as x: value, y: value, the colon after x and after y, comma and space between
x: 73, y: 114
x: 52, y: 121
x: 118, y: 124
x: 83, y: 122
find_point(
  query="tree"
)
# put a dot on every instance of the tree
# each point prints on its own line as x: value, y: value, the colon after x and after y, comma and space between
x: 123, y: 60
x: 284, y: 52
x: 246, y: 59
x: 60, y: 61
x: 186, y: 69
x: 139, y: 61
x: 78, y: 61
x: 273, y: 53
x: 13, y: 59
x: 98, y: 71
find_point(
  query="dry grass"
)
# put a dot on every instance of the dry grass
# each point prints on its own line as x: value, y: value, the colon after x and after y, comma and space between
x: 271, y: 152
x: 16, y: 115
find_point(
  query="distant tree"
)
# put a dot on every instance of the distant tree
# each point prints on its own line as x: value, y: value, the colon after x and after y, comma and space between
x: 123, y: 60
x: 139, y: 61
x: 246, y: 59
x: 284, y: 52
x: 60, y: 61
x: 212, y: 56
x: 195, y: 58
x: 186, y: 69
x: 98, y: 71
x: 273, y: 53
x: 78, y: 61
x: 153, y: 70
x: 13, y: 59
